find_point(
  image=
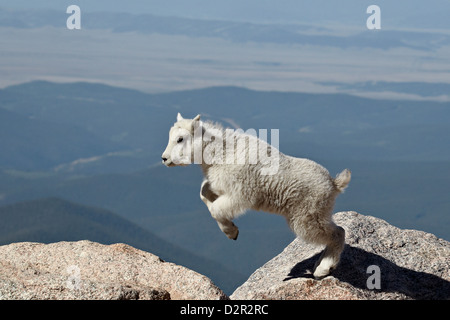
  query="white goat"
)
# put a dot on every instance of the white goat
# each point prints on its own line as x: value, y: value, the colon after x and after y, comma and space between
x: 299, y: 189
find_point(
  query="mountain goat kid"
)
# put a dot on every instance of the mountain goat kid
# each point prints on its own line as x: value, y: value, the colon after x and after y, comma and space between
x: 243, y: 172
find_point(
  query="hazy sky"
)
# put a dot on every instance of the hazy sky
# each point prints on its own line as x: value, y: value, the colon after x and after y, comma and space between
x: 154, y: 62
x: 399, y: 13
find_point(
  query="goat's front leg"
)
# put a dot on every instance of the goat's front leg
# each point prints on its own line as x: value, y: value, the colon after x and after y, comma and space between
x: 206, y: 194
x: 221, y: 210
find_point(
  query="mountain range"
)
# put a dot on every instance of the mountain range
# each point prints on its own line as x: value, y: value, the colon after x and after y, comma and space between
x: 122, y: 120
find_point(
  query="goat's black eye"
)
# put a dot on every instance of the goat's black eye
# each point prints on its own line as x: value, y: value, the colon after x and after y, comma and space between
x: 180, y: 139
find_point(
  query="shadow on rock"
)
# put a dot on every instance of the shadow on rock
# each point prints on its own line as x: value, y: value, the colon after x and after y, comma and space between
x: 353, y: 270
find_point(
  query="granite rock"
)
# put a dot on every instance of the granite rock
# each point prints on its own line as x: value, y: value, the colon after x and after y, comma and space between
x: 379, y: 261
x: 87, y: 270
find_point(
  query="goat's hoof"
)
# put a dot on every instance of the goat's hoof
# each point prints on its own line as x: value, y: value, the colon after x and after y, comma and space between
x: 320, y: 277
x: 234, y: 235
x: 320, y: 272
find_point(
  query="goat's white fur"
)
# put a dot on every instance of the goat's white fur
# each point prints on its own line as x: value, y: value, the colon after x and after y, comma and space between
x: 301, y: 190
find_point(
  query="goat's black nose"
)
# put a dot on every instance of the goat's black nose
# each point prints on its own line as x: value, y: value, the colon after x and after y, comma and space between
x: 164, y: 159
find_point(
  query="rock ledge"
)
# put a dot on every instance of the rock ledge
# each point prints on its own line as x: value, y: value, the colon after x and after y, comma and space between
x: 87, y: 270
x: 406, y: 264
x: 379, y: 261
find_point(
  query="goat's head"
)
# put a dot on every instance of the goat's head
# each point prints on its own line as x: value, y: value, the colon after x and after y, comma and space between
x: 179, y: 150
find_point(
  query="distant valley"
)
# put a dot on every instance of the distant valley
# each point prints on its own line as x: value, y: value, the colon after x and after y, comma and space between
x: 161, y: 53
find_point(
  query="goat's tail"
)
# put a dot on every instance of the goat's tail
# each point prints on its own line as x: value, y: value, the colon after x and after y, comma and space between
x: 342, y: 179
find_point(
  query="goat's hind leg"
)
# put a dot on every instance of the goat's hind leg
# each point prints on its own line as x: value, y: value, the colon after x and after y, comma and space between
x: 334, y: 237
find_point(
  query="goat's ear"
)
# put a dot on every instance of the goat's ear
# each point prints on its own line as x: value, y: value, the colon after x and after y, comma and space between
x: 179, y: 117
x: 195, y: 123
